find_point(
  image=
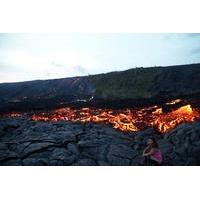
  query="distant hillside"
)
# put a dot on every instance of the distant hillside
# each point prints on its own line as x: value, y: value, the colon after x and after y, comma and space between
x: 43, y: 94
x: 150, y: 82
x: 138, y: 84
x: 77, y: 86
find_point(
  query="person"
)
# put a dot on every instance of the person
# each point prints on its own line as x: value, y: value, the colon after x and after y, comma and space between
x: 152, y: 154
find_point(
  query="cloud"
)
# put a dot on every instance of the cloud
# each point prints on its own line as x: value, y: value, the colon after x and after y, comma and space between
x: 76, y: 69
x: 38, y: 56
x: 57, y: 64
x: 4, y: 66
x: 188, y: 43
x: 192, y: 35
x: 80, y: 69
x: 180, y: 36
x: 195, y: 50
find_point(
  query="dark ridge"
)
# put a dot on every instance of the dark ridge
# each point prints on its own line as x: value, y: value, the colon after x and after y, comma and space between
x: 133, y: 87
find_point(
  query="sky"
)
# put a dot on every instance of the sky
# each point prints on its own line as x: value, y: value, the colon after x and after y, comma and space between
x: 28, y: 56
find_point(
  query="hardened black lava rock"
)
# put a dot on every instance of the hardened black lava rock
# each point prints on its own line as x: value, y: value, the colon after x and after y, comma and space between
x: 24, y: 142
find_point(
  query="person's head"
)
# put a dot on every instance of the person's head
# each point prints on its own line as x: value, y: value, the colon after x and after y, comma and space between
x: 152, y: 142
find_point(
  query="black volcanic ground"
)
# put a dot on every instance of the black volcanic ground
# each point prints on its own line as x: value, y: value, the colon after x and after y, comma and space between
x: 25, y: 142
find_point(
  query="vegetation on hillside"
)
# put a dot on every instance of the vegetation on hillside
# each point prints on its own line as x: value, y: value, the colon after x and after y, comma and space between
x: 133, y: 83
x: 150, y: 82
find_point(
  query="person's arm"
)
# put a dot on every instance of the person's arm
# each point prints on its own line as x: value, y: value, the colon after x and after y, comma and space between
x: 149, y: 153
x: 145, y: 150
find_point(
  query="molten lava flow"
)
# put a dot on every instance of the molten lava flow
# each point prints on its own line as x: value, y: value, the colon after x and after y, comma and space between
x: 127, y: 120
x: 170, y: 120
x: 130, y: 120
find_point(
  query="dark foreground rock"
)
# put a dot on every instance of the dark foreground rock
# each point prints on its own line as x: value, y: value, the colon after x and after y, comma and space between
x: 24, y: 142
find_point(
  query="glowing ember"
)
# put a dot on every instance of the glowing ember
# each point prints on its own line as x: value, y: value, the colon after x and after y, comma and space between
x: 125, y: 120
x: 173, y: 102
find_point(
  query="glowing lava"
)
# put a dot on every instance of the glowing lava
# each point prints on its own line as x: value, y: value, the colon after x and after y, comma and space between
x: 126, y: 120
x: 168, y: 121
x: 130, y: 120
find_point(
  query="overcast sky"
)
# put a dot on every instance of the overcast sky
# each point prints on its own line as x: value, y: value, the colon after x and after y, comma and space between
x: 46, y: 56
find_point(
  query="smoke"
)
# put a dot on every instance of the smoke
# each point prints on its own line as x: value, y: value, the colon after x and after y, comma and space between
x: 70, y: 70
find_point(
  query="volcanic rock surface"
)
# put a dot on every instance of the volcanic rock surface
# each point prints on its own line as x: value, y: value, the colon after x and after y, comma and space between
x: 26, y: 142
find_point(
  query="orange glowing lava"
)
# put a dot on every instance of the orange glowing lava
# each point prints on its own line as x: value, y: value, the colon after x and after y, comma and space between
x: 168, y: 121
x: 13, y: 114
x: 127, y: 120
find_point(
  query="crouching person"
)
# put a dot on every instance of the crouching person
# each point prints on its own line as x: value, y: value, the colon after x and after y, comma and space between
x: 152, y: 155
